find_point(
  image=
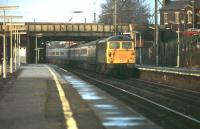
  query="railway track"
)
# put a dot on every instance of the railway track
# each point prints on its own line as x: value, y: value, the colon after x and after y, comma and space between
x: 169, y: 107
x: 187, y: 103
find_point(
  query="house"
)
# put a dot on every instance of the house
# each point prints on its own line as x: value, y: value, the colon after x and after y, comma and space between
x: 182, y: 14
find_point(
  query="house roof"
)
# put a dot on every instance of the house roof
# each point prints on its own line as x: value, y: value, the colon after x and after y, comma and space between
x: 180, y: 4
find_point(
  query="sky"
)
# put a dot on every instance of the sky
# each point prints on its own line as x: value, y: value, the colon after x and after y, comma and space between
x: 56, y: 10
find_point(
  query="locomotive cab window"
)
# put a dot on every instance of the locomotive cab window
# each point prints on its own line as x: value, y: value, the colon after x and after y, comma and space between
x: 114, y: 45
x: 126, y: 45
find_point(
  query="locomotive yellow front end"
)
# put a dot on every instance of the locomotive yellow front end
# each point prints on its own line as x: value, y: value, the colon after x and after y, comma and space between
x: 120, y: 52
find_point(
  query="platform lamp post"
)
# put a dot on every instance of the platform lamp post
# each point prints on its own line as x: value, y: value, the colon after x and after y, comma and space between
x: 11, y: 29
x: 4, y: 8
x: 178, y: 43
x: 178, y: 49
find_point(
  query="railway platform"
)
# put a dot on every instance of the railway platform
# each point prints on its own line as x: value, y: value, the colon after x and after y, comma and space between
x: 172, y: 70
x: 184, y: 78
x: 47, y: 97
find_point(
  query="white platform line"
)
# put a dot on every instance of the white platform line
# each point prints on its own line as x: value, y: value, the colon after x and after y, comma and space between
x: 173, y: 72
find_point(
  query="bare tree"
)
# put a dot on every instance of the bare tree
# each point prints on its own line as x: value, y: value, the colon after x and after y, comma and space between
x: 128, y: 11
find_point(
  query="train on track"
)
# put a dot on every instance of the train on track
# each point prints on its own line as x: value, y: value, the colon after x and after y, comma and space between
x: 110, y: 55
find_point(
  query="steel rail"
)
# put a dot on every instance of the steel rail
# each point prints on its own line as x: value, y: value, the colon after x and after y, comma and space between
x: 143, y: 98
x: 167, y: 86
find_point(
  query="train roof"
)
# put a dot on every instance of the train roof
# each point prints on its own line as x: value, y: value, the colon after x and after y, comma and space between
x: 111, y: 38
x: 116, y: 38
x: 52, y: 49
x: 88, y: 44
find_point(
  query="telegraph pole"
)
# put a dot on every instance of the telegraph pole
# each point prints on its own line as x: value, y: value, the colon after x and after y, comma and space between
x: 115, y: 17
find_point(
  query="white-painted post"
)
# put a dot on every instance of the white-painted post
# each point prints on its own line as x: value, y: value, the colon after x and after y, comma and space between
x: 11, y: 52
x: 15, y: 48
x: 178, y: 47
x: 4, y: 48
x: 19, y: 62
x: 36, y: 56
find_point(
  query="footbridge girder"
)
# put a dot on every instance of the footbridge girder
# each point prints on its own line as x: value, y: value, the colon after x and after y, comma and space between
x: 67, y: 30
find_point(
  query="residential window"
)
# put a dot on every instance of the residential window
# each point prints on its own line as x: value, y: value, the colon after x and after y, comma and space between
x: 177, y: 17
x: 189, y: 13
x: 165, y: 18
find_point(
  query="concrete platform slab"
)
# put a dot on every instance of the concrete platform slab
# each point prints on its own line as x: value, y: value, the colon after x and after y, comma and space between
x: 35, y: 101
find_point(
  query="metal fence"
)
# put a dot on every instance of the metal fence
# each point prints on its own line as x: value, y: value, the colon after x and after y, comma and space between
x: 189, y: 53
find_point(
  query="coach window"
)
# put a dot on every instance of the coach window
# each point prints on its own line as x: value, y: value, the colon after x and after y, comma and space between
x: 84, y: 51
x: 61, y: 53
x: 114, y: 45
x: 126, y: 45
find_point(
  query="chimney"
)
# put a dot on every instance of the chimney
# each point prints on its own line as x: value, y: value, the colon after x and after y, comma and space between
x: 165, y: 2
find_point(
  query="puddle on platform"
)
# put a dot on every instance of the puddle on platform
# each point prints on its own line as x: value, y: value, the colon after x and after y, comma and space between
x: 123, y: 121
